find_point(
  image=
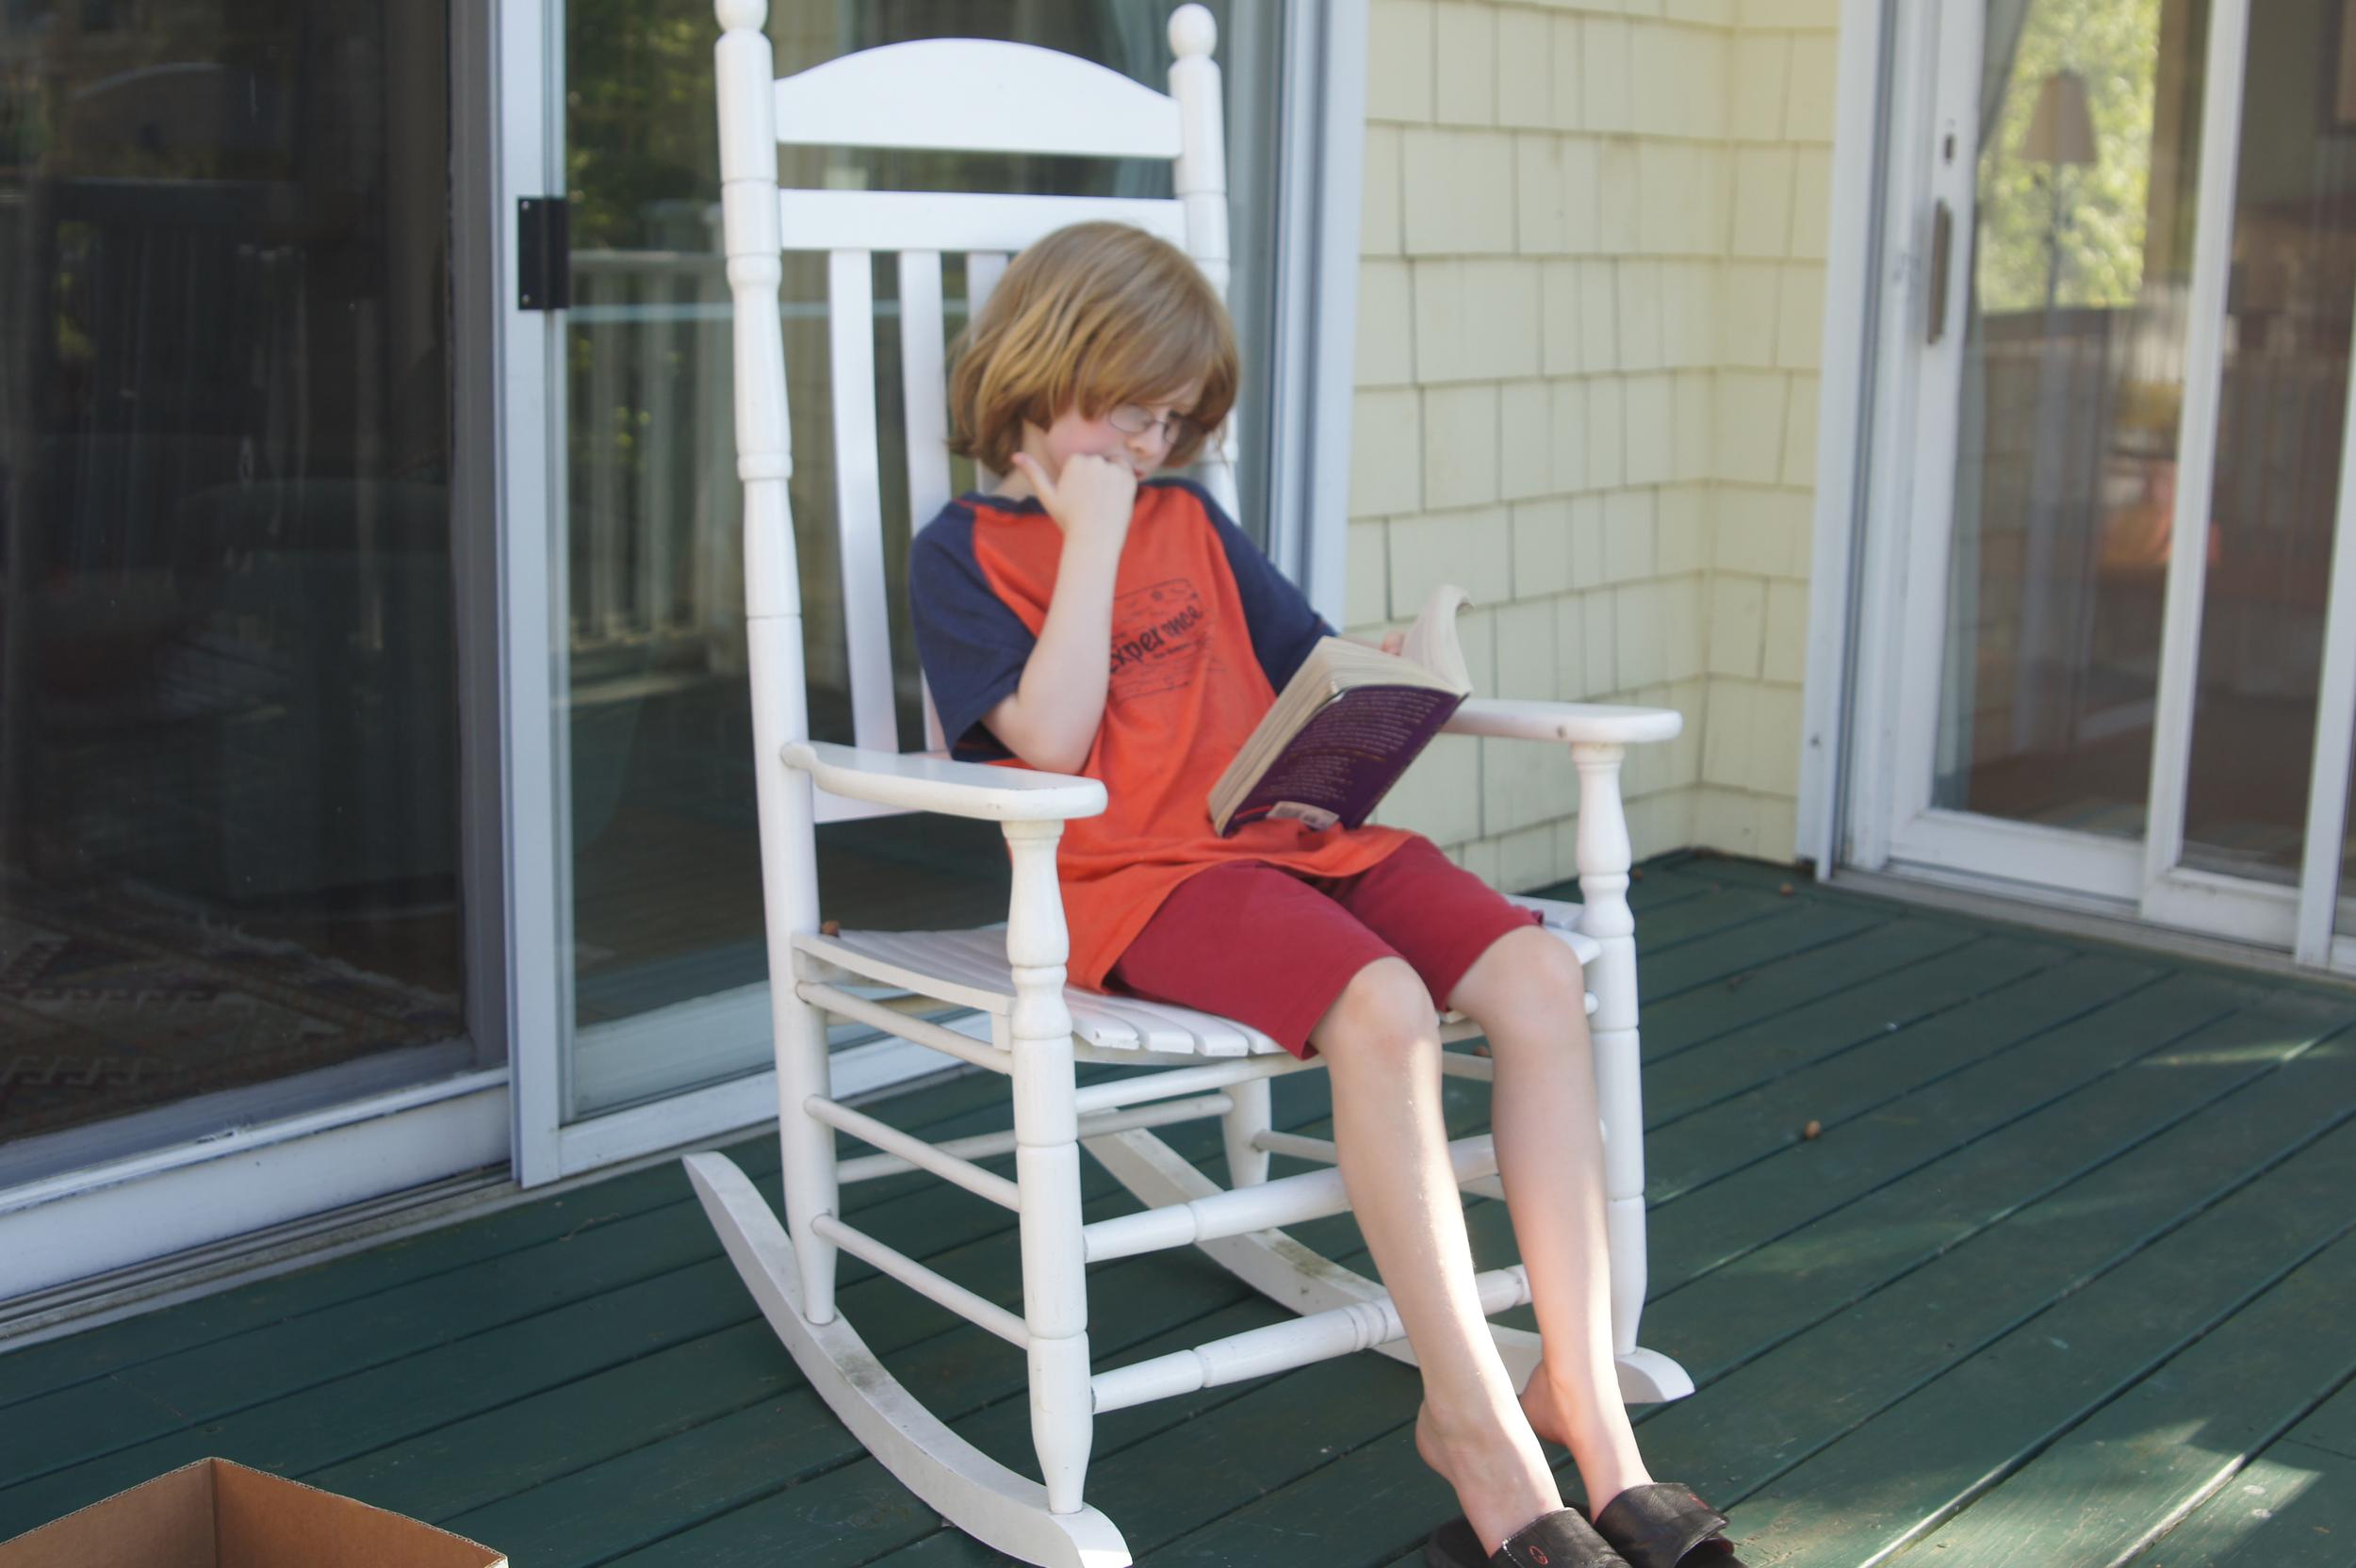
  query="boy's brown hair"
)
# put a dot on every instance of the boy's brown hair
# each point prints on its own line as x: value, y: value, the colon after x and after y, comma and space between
x: 1091, y: 317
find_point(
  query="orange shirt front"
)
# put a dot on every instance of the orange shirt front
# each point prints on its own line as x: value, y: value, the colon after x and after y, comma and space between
x: 1204, y: 630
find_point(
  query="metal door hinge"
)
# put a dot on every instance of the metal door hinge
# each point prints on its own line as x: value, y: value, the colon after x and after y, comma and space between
x: 543, y: 256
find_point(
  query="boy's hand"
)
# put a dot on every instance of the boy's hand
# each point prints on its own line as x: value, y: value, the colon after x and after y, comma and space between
x: 1394, y: 641
x: 1092, y: 494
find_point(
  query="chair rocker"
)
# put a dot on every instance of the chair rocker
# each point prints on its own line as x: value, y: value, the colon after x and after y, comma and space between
x: 1003, y: 97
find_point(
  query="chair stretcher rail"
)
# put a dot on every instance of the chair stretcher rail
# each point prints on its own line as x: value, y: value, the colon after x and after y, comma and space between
x: 947, y: 1041
x: 1287, y: 1200
x: 951, y: 1168
x: 981, y: 1145
x: 925, y: 1282
x: 1282, y: 1346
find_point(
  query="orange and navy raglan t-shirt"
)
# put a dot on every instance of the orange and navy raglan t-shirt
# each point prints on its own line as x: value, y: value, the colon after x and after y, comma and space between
x: 1205, y: 633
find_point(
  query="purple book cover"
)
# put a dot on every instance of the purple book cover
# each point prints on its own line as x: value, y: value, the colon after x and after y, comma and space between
x: 1348, y: 756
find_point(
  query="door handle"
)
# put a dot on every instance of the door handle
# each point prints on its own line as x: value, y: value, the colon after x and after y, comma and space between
x: 1942, y: 243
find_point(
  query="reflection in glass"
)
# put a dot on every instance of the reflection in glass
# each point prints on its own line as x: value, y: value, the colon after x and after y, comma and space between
x: 2067, y: 491
x: 2072, y: 379
x: 228, y: 776
x: 2281, y: 420
x: 669, y: 967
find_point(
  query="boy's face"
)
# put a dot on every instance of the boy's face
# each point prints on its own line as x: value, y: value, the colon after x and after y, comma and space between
x: 1072, y: 436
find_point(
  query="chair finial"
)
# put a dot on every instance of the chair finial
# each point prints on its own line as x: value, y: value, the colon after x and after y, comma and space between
x: 1192, y: 31
x: 741, y: 15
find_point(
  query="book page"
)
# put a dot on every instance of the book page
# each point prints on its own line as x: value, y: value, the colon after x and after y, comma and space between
x: 1432, y: 641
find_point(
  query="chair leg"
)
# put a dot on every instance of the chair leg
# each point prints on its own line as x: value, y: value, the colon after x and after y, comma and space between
x: 1047, y: 1170
x: 1604, y: 854
x: 807, y: 1143
x: 1247, y: 1164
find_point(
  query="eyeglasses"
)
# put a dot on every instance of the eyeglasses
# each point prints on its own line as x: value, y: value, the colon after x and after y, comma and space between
x: 1176, y: 427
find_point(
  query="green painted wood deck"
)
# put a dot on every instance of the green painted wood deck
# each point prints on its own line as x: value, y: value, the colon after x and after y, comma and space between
x: 2064, y: 1279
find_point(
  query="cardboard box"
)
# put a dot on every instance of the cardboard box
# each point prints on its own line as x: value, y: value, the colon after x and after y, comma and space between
x: 217, y: 1514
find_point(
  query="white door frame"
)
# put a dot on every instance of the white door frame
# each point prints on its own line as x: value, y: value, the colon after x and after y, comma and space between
x: 1322, y: 109
x: 1898, y: 460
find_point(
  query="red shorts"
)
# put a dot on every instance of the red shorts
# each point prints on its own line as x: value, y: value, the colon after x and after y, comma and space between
x: 1252, y: 941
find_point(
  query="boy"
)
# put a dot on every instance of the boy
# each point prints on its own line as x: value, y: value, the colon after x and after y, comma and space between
x: 1088, y: 618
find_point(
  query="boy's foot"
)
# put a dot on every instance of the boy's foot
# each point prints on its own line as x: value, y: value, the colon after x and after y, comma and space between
x: 1499, y: 1487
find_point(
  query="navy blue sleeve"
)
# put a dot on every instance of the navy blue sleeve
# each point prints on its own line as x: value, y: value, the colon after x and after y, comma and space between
x: 971, y: 646
x: 1284, y: 627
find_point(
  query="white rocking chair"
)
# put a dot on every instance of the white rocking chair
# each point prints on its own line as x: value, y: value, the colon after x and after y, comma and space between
x: 1004, y: 97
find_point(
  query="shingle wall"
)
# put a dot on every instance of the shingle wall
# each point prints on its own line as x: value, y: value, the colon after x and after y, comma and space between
x: 1590, y: 296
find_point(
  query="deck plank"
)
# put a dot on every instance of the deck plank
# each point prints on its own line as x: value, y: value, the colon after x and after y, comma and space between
x: 1764, y: 1417
x: 1801, y: 975
x: 2293, y: 1507
x: 2159, y: 1449
x: 1917, y: 1128
x: 113, y: 1348
x: 2059, y: 1139
x: 1900, y: 1476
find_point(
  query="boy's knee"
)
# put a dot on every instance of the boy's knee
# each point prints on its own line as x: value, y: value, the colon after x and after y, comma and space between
x: 1384, y: 1009
x: 1531, y: 969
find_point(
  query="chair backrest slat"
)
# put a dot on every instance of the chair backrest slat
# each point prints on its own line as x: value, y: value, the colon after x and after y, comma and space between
x: 859, y: 497
x: 924, y: 379
x: 955, y: 220
x: 980, y: 96
x: 983, y: 268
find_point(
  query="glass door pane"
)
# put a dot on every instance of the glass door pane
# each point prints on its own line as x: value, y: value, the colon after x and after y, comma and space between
x: 2073, y: 364
x: 668, y: 965
x: 2282, y: 413
x: 228, y: 717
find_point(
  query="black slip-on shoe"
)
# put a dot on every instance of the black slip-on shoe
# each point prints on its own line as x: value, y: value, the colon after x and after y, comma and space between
x: 1662, y: 1524
x: 1563, y: 1539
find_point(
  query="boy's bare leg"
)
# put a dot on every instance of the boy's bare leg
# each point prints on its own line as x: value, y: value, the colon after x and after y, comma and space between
x: 1382, y: 1048
x: 1528, y: 993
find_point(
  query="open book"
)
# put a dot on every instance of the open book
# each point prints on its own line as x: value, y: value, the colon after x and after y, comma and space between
x: 1347, y: 724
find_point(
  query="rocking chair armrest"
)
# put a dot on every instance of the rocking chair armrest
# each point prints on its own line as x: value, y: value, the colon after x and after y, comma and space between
x: 1574, y: 722
x: 927, y: 781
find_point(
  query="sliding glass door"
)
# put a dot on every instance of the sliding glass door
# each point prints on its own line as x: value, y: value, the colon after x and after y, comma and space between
x: 229, y: 769
x: 2127, y: 676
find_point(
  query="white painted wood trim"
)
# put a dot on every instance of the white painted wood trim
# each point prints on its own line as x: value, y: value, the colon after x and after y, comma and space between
x: 2196, y: 440
x: 930, y: 1284
x: 859, y: 495
x: 1281, y: 1346
x: 999, y: 1507
x: 1578, y: 722
x: 2335, y: 726
x: 738, y: 1106
x: 1928, y: 530
x: 979, y: 95
x: 924, y: 395
x: 1268, y: 1205
x: 1340, y: 146
x: 955, y: 220
x: 1882, y: 516
x: 88, y: 1221
x: 984, y: 1145
x: 534, y: 805
x: 914, y: 781
x: 1844, y: 439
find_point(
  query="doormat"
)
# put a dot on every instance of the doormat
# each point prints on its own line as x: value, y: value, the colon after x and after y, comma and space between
x: 108, y: 1006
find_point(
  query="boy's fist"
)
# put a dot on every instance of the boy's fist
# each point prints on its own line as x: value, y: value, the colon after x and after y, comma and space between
x: 1092, y: 493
